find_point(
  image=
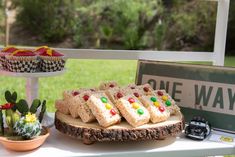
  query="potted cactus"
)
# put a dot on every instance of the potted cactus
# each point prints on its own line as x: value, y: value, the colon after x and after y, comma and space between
x: 23, y: 129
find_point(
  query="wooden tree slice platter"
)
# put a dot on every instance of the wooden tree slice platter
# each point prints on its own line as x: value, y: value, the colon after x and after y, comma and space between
x: 93, y: 132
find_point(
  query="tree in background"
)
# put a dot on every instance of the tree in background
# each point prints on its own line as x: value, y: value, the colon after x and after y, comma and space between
x: 124, y: 24
x: 190, y: 25
x: 230, y: 46
x: 139, y: 24
x: 51, y: 20
x: 114, y: 23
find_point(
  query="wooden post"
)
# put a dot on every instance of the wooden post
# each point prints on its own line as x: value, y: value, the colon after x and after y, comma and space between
x: 7, y: 27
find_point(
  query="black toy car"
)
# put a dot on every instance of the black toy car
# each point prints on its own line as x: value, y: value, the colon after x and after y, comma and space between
x: 198, y: 128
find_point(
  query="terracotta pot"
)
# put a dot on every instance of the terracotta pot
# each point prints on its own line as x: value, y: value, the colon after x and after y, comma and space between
x: 25, y: 145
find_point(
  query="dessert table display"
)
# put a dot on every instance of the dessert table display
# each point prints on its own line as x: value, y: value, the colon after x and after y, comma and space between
x: 127, y: 121
x: 114, y: 113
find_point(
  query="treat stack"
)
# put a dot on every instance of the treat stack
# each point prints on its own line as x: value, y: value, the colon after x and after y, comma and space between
x: 133, y: 111
x: 103, y: 109
x: 168, y: 101
x: 84, y: 111
x: 138, y: 105
x: 156, y: 108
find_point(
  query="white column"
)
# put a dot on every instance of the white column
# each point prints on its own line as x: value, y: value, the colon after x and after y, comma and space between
x: 221, y: 31
x: 31, y: 94
x: 31, y: 89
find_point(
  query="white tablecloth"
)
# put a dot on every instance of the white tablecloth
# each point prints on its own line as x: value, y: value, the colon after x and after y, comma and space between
x: 61, y: 145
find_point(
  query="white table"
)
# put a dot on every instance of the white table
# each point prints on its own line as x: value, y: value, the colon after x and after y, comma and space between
x: 61, y: 145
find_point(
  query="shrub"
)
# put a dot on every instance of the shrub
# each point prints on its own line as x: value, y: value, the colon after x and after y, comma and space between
x: 230, y: 46
x: 190, y: 26
x: 117, y: 21
x: 51, y: 20
x: 141, y: 24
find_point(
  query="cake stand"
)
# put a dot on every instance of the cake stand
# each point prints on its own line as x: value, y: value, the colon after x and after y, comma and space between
x: 32, y: 81
x: 93, y: 132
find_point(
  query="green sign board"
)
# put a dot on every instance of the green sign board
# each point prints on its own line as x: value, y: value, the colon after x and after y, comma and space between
x: 208, y: 91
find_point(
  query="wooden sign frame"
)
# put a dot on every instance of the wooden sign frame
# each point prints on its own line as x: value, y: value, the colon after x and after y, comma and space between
x: 203, y: 90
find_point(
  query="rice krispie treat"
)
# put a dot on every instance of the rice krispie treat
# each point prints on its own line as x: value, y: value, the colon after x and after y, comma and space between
x: 62, y: 106
x: 73, y: 106
x: 135, y: 91
x: 103, y: 109
x: 84, y: 111
x: 115, y: 93
x: 132, y: 86
x: 168, y: 101
x: 133, y: 111
x: 146, y: 89
x: 108, y: 85
x: 68, y: 94
x: 71, y: 93
x: 156, y: 108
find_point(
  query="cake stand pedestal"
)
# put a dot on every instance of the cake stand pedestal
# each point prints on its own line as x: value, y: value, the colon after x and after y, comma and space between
x: 32, y: 84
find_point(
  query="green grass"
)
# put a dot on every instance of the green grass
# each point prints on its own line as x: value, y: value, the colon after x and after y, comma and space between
x: 80, y: 73
x: 229, y: 61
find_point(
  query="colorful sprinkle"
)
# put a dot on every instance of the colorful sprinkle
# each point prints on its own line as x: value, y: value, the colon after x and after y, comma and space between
x: 137, y: 95
x: 75, y: 93
x: 168, y: 103
x: 108, y: 106
x: 161, y: 109
x: 160, y: 93
x: 135, y: 105
x: 157, y: 104
x: 86, y: 97
x: 113, y: 112
x: 164, y: 98
x: 104, y: 100
x: 119, y: 95
x: 146, y: 89
x: 131, y: 100
x: 111, y: 85
x: 140, y: 111
x: 153, y: 99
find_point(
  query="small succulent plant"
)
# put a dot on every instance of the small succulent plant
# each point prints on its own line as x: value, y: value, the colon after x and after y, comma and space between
x: 20, y: 119
x: 22, y: 107
x: 10, y: 111
x: 11, y: 118
x: 28, y: 126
